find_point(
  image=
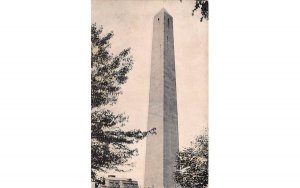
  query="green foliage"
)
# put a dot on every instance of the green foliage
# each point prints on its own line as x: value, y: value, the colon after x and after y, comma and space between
x: 109, y: 142
x: 192, y: 164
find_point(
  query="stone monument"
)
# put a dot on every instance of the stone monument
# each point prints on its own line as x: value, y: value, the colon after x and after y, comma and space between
x: 161, y: 148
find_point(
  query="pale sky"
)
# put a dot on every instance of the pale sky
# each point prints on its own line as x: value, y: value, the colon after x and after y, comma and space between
x: 131, y: 21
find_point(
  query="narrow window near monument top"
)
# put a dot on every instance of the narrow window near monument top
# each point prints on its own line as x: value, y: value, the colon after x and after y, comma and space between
x: 160, y: 50
x: 157, y: 19
x: 168, y: 22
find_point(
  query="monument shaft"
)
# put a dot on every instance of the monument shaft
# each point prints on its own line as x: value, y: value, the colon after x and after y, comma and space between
x: 161, y: 148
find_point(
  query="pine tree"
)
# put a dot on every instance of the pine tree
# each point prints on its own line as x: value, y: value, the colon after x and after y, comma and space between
x: 109, y: 142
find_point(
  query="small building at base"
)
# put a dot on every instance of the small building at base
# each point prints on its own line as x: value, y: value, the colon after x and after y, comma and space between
x: 113, y: 182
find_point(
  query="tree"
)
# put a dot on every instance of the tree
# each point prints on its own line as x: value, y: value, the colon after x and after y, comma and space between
x: 192, y: 164
x: 202, y: 6
x: 110, y: 144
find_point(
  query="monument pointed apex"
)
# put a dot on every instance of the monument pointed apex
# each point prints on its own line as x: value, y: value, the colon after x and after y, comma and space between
x: 163, y: 11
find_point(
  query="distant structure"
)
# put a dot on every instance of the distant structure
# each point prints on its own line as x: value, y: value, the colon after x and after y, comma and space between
x: 161, y: 148
x: 113, y: 182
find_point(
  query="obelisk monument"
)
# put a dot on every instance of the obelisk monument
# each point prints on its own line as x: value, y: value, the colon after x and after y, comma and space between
x: 161, y: 148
